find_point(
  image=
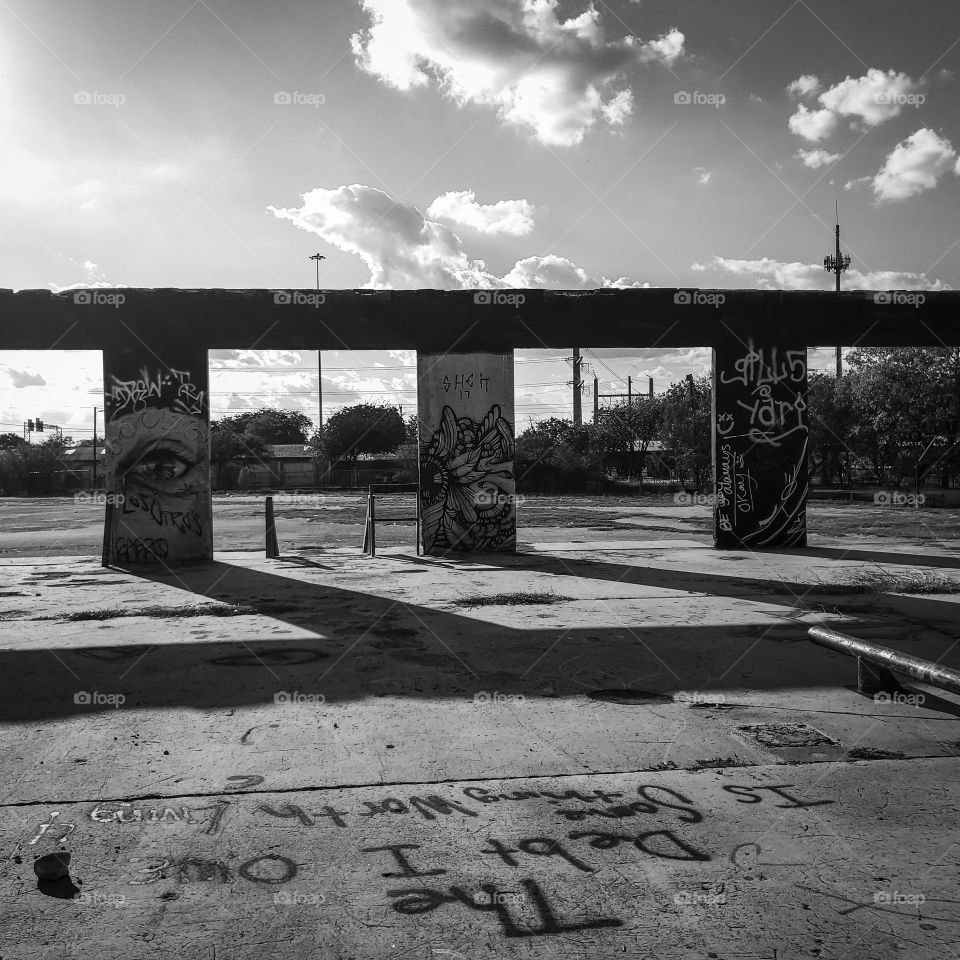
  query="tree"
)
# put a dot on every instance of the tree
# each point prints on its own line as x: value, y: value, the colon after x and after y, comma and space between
x: 832, y: 416
x: 908, y: 409
x: 627, y: 428
x: 686, y: 428
x: 554, y: 456
x: 363, y: 428
x: 11, y: 441
x: 226, y: 444
x: 271, y: 426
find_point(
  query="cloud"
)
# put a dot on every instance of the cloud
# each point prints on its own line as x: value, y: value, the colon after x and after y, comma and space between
x: 558, y: 273
x: 404, y: 250
x: 514, y: 217
x: 812, y: 125
x: 915, y: 165
x: 93, y: 277
x: 703, y: 175
x: 803, y: 86
x: 21, y: 378
x: 768, y: 274
x: 871, y: 99
x: 555, y: 77
x: 817, y: 158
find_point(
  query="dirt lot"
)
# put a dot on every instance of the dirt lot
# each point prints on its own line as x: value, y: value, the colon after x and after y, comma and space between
x: 61, y: 526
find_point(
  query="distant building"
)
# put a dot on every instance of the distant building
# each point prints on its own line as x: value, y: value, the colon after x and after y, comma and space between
x: 80, y: 470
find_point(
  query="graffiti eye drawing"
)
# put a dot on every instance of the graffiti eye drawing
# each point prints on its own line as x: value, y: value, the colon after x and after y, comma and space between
x: 158, y: 467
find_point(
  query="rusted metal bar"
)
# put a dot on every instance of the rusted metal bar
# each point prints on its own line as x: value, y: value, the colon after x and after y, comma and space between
x: 924, y: 670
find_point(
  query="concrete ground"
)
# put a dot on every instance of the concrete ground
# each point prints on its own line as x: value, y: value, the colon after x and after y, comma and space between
x: 327, y: 755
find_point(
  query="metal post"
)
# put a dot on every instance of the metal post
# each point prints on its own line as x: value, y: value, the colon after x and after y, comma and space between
x: 373, y: 526
x: 107, y: 527
x: 272, y: 547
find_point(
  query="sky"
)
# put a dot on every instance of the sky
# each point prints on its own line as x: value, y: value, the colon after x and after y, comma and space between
x: 462, y: 143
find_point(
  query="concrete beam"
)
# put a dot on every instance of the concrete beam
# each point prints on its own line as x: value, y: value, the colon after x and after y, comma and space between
x: 465, y: 320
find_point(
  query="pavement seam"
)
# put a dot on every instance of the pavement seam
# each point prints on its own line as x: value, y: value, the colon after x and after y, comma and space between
x: 456, y: 780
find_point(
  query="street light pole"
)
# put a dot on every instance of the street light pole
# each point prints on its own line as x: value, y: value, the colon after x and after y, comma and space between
x: 318, y: 257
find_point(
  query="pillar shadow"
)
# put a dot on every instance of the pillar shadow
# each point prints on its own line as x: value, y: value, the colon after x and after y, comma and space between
x: 363, y: 646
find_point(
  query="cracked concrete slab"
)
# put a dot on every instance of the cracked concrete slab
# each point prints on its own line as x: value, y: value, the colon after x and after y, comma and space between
x: 189, y: 762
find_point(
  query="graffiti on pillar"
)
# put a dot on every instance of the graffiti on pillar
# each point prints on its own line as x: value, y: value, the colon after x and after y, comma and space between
x: 467, y: 483
x: 760, y: 446
x: 158, y: 462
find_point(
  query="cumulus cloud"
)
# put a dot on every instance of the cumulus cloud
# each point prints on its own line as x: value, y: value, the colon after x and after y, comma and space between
x: 21, y: 378
x: 555, y: 77
x: 817, y: 158
x: 514, y: 217
x: 803, y: 86
x: 92, y: 277
x: 872, y: 99
x: 769, y: 274
x: 559, y: 273
x: 812, y: 125
x: 402, y: 249
x: 915, y: 165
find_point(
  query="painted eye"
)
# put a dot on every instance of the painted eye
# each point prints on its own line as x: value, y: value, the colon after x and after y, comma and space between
x: 159, y: 466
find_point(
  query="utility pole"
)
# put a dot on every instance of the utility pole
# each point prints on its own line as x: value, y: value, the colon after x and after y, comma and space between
x: 596, y: 398
x: 836, y: 265
x: 577, y: 387
x: 94, y: 448
x: 318, y: 257
x: 629, y: 391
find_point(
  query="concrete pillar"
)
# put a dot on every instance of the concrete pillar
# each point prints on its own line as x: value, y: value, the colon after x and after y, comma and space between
x: 157, y: 455
x: 467, y: 486
x: 760, y: 443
